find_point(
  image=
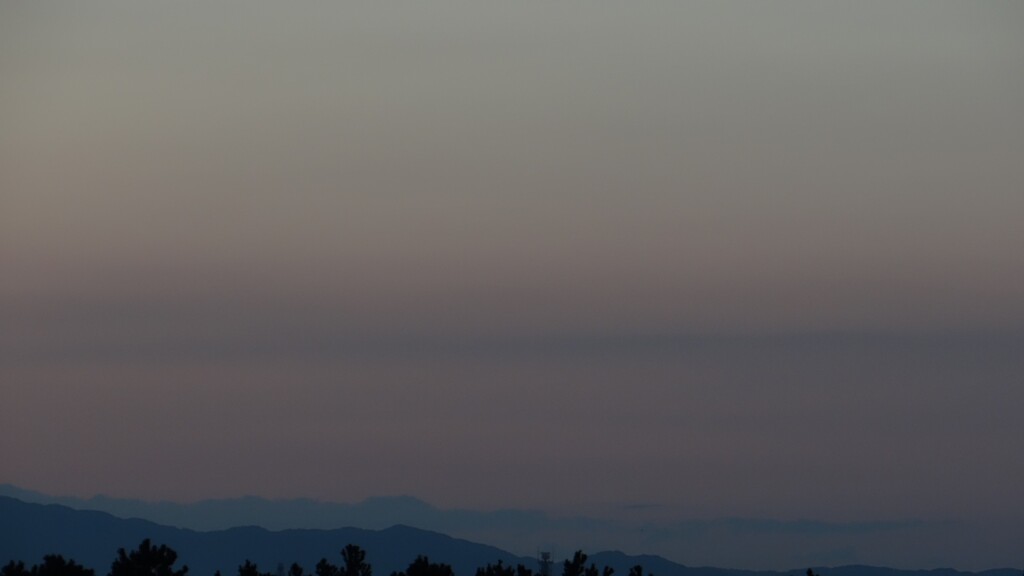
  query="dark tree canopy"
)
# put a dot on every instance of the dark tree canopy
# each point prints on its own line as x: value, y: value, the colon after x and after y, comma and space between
x: 53, y: 565
x: 325, y: 568
x: 576, y: 566
x: 422, y: 566
x: 56, y: 565
x: 147, y: 560
x: 355, y: 564
x: 13, y: 568
x: 498, y: 569
x: 151, y: 560
x: 251, y: 569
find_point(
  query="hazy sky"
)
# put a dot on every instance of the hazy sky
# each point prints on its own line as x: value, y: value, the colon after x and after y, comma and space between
x: 760, y: 259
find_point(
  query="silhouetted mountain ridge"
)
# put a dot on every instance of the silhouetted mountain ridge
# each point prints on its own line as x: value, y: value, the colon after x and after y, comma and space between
x: 28, y: 531
x: 376, y: 512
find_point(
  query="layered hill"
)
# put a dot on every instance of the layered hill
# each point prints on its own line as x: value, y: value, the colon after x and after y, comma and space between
x: 28, y: 531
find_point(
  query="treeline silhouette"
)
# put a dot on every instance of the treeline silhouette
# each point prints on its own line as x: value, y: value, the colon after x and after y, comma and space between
x: 151, y: 560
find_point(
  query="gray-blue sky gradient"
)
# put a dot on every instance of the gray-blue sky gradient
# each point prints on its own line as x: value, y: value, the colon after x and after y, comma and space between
x: 753, y: 259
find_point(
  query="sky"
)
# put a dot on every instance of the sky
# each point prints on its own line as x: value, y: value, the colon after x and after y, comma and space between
x: 708, y: 259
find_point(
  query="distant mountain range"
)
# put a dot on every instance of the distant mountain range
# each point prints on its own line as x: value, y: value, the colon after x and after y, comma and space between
x: 373, y: 513
x: 519, y: 530
x: 735, y: 542
x: 30, y: 530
